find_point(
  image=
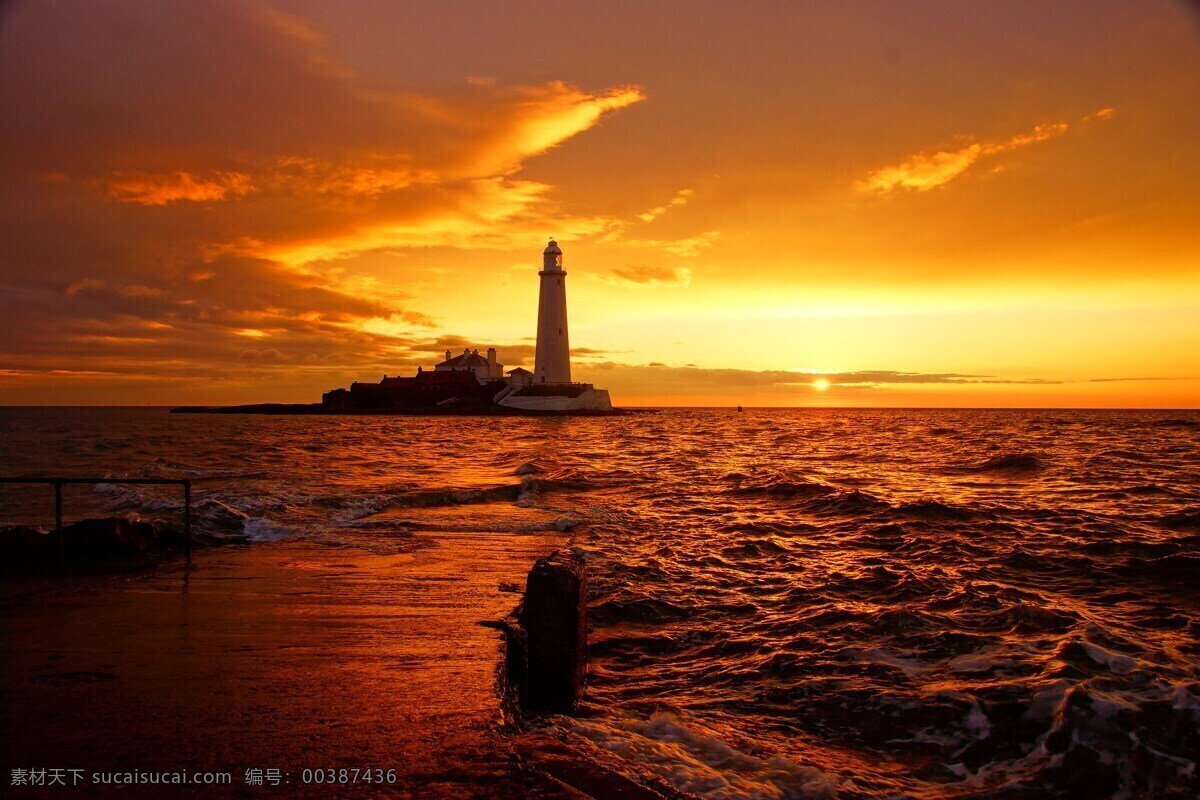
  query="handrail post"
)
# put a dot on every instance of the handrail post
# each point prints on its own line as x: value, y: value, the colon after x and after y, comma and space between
x: 58, y: 526
x: 187, y: 522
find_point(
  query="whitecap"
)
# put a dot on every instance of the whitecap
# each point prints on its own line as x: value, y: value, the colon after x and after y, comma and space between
x: 700, y: 763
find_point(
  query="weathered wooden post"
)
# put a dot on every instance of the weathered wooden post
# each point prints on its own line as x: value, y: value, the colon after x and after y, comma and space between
x: 552, y: 642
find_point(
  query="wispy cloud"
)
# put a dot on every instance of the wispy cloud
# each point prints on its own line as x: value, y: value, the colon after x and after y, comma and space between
x: 148, y: 189
x: 642, y: 275
x: 688, y: 247
x: 1100, y: 116
x: 680, y: 198
x: 929, y: 170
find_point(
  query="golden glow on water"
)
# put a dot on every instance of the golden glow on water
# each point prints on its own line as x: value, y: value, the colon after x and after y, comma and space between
x: 923, y: 602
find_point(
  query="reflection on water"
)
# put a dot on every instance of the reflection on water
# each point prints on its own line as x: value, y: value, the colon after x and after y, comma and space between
x: 785, y: 603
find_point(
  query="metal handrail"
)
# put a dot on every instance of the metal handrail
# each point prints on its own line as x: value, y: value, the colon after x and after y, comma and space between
x: 58, y: 483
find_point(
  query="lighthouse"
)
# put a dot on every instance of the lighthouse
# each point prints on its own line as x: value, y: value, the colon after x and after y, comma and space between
x: 552, y: 358
x: 550, y: 389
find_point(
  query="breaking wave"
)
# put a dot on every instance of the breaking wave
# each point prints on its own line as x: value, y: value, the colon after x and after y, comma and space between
x: 1011, y: 462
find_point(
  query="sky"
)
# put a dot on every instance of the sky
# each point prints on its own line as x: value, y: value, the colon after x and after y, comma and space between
x: 759, y: 203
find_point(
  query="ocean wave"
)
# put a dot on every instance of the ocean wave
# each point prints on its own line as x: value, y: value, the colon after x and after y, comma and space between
x: 1096, y: 744
x: 642, y: 609
x: 1180, y: 568
x: 1021, y: 617
x: 936, y: 510
x: 1143, y: 489
x: 892, y: 583
x: 758, y: 548
x: 451, y: 496
x: 563, y: 523
x: 853, y: 502
x: 778, y: 486
x: 527, y: 490
x: 260, y: 529
x: 698, y: 762
x: 1186, y: 520
x: 219, y: 517
x: 1176, y: 423
x: 1127, y: 455
x: 887, y: 536
x: 1010, y: 462
x: 1135, y: 547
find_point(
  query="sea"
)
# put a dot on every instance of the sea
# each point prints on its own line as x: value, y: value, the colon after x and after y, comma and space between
x: 799, y: 603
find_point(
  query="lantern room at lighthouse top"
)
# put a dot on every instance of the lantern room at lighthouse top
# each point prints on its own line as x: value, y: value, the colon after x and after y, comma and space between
x: 552, y: 258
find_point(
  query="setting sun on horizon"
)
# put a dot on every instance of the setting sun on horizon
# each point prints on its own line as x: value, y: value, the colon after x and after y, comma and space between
x: 924, y: 204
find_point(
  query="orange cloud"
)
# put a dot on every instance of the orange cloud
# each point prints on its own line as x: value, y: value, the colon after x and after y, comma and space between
x: 493, y: 212
x: 688, y: 247
x: 1102, y: 114
x: 680, y: 199
x: 369, y: 177
x: 149, y: 189
x: 83, y: 285
x: 926, y: 171
x: 642, y: 275
x: 539, y: 118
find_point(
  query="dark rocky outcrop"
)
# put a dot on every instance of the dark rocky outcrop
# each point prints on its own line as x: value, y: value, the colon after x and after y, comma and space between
x: 88, y: 540
x: 108, y: 536
x: 23, y: 545
x: 459, y: 409
x: 546, y: 638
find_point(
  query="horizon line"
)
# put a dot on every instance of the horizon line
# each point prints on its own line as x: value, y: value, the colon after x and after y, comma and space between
x: 636, y: 408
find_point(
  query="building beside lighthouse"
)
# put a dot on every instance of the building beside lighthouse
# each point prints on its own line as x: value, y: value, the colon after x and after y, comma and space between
x: 483, y: 368
x: 470, y: 382
x: 551, y: 388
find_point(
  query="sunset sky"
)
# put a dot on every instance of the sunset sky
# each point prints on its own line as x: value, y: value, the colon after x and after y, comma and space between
x: 768, y: 203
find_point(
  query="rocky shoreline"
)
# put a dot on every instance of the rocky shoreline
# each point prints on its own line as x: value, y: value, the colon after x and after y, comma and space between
x: 301, y: 655
x: 113, y: 541
x: 456, y: 410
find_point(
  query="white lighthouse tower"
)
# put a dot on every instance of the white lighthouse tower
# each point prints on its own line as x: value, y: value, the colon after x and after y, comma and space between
x: 552, y: 358
x: 550, y: 389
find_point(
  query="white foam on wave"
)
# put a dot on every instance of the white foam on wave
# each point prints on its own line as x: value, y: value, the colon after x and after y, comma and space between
x: 1116, y: 663
x: 354, y: 510
x: 979, y: 661
x: 1079, y: 717
x: 975, y: 726
x: 261, y: 529
x: 699, y: 763
x: 876, y: 655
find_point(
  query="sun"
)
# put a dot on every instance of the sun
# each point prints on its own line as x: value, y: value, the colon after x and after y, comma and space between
x: 820, y: 384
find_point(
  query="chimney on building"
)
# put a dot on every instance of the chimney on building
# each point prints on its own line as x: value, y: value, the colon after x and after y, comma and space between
x: 493, y: 367
x: 447, y: 355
